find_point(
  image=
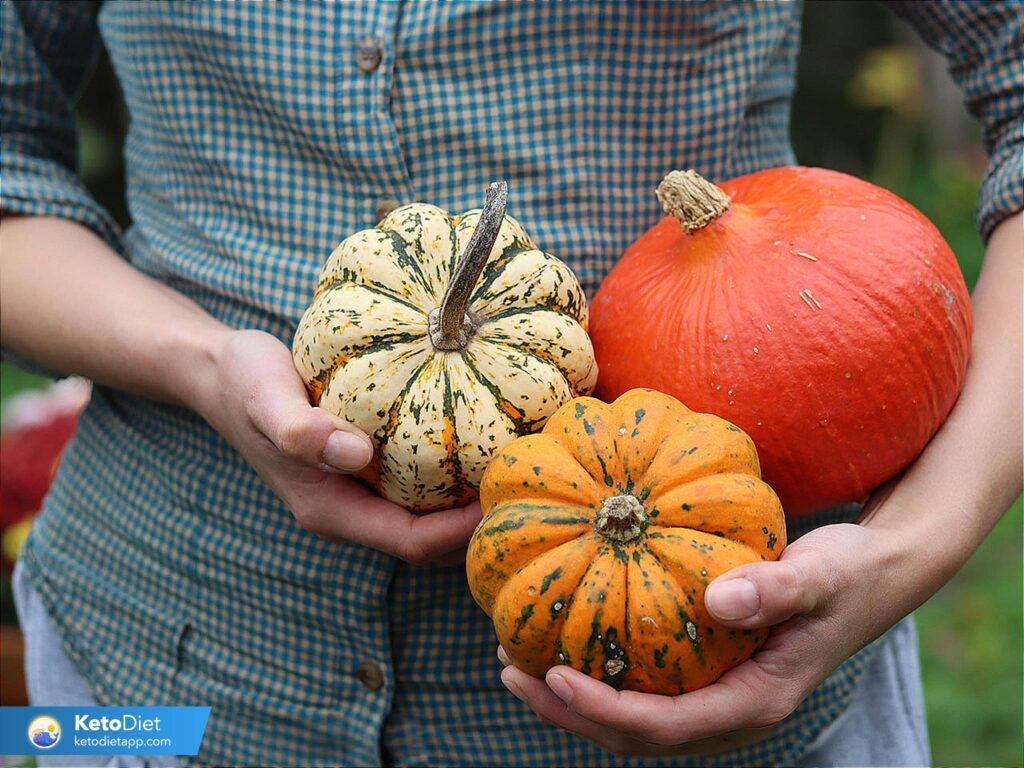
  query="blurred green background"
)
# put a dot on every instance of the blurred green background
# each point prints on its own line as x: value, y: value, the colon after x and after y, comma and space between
x: 874, y: 102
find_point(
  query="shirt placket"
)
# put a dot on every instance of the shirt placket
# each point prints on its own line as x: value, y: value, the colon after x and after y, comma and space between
x: 370, y: 138
x: 373, y: 160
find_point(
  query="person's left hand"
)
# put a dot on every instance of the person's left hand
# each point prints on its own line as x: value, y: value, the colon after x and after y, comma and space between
x: 832, y: 592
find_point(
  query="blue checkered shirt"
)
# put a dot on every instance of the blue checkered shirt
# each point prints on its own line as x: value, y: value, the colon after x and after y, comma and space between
x: 263, y: 134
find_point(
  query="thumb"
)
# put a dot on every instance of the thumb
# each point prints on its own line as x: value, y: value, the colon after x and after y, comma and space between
x: 764, y: 594
x: 261, y: 376
x: 310, y: 435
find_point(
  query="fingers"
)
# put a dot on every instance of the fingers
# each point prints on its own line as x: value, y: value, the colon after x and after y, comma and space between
x: 641, y: 742
x: 349, y: 511
x: 587, y: 706
x: 315, y: 438
x: 260, y: 399
x: 765, y: 594
x: 644, y: 716
x: 427, y: 538
x: 278, y: 407
x: 453, y: 558
x: 549, y: 708
x: 299, y: 450
x: 346, y: 449
x: 742, y: 699
x: 798, y: 595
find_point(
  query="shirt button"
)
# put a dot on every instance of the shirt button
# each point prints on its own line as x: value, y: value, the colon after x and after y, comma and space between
x: 386, y: 206
x: 368, y: 54
x: 370, y: 675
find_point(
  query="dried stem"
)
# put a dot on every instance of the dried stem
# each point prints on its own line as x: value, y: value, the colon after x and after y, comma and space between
x: 622, y: 518
x: 450, y: 326
x: 692, y: 199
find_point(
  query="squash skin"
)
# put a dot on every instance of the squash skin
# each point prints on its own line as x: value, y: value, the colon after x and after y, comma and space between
x: 823, y: 315
x: 437, y: 416
x: 629, y: 613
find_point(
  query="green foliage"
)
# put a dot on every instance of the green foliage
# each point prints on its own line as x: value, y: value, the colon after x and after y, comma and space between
x: 14, y: 380
x: 874, y: 127
x: 971, y: 655
x: 945, y: 189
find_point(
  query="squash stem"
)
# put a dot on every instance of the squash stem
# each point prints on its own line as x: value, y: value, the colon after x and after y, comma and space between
x: 692, y: 199
x: 621, y: 518
x: 451, y: 327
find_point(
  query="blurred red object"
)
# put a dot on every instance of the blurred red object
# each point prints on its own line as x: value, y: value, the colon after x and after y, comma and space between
x: 12, y: 668
x: 37, y: 426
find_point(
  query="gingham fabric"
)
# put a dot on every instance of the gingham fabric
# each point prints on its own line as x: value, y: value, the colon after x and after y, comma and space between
x: 257, y: 143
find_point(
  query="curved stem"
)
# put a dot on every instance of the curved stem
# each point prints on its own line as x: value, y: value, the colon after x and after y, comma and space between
x: 451, y: 328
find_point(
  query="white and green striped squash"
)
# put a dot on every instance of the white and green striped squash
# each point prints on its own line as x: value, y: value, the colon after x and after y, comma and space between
x: 443, y: 337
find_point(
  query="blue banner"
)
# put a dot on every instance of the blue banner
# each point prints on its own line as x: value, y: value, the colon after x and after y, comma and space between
x: 102, y: 730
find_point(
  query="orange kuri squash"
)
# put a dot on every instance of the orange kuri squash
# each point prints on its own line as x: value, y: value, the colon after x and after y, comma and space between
x: 823, y: 315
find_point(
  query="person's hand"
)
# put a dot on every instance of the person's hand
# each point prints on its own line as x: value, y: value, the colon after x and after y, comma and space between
x: 832, y: 592
x: 257, y: 401
x: 839, y: 587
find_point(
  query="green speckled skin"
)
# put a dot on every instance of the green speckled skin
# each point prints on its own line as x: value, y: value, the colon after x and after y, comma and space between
x: 438, y: 417
x: 631, y: 612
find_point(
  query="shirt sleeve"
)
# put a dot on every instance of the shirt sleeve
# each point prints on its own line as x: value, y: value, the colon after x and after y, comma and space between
x: 49, y: 50
x: 984, y: 45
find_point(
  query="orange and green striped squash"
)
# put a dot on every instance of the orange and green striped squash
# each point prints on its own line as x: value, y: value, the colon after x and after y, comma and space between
x: 602, y: 531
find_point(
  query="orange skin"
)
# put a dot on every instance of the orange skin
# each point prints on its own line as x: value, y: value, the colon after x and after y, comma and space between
x: 821, y: 314
x: 630, y: 613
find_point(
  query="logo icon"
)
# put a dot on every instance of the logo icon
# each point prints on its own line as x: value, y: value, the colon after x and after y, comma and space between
x: 44, y: 732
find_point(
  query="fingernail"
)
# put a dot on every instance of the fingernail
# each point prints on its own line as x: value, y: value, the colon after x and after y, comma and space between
x: 561, y: 688
x: 733, y: 599
x: 346, y: 452
x: 513, y: 688
x: 503, y: 657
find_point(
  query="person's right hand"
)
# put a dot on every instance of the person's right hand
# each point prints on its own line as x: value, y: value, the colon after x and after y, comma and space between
x: 258, y: 402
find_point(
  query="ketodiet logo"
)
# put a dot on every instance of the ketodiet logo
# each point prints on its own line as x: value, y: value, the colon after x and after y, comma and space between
x: 150, y: 730
x: 114, y: 724
x: 44, y: 732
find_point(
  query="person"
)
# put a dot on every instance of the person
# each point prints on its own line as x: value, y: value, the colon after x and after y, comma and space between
x: 204, y: 543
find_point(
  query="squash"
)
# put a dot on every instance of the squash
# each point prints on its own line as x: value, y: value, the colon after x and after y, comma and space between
x: 823, y: 315
x: 602, y: 531
x: 443, y: 338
